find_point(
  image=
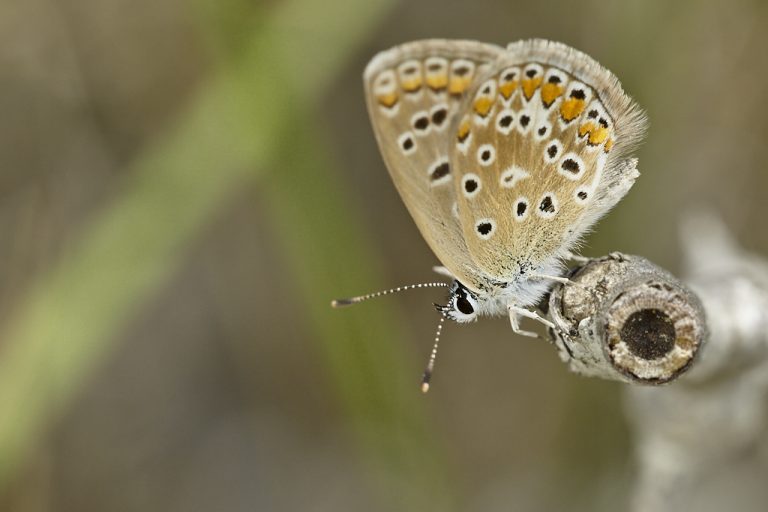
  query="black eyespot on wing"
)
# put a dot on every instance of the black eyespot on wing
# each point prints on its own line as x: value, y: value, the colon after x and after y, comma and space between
x: 547, y: 205
x: 582, y: 195
x: 444, y: 169
x: 578, y: 94
x: 439, y: 116
x: 508, y: 77
x: 554, y: 79
x: 421, y: 123
x: 592, y: 114
x: 485, y: 155
x: 542, y: 131
x: 484, y: 228
x: 470, y: 185
x: 524, y: 120
x: 521, y: 208
x: 461, y: 71
x: 530, y: 73
x: 570, y: 165
x: 505, y: 121
x: 603, y: 122
x: 407, y: 143
x: 552, y: 151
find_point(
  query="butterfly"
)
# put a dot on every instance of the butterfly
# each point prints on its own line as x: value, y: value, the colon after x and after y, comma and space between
x: 505, y: 158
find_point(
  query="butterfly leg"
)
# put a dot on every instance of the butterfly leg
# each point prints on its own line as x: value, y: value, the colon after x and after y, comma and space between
x: 515, y: 311
x: 581, y: 260
x: 514, y: 320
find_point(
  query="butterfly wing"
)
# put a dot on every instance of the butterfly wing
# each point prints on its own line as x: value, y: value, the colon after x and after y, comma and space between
x: 540, y: 155
x: 414, y: 92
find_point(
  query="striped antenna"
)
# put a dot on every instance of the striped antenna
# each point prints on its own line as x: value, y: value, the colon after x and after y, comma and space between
x: 432, y: 356
x: 340, y: 303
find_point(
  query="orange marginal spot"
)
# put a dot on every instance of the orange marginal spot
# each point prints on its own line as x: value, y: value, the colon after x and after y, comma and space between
x: 586, y: 128
x: 571, y: 109
x: 437, y: 82
x: 387, y: 100
x: 458, y: 84
x: 550, y: 92
x: 598, y: 136
x: 608, y: 145
x: 530, y: 86
x: 463, y: 131
x: 483, y: 105
x: 507, y: 89
x: 411, y: 84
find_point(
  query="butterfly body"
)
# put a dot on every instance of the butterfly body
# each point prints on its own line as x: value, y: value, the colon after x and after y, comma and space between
x: 504, y: 158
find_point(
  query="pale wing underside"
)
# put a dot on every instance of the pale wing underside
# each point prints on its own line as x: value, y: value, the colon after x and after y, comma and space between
x: 413, y: 93
x: 539, y: 154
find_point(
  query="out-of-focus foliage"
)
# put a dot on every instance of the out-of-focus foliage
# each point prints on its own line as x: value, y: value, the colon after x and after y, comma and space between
x: 185, y: 185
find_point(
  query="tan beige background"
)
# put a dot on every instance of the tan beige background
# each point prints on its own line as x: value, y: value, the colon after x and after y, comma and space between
x: 184, y: 185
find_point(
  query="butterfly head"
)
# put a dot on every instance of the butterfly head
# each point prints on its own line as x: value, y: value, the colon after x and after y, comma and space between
x: 462, y: 306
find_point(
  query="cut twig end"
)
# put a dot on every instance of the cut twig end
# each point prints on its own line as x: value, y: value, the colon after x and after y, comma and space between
x: 626, y: 319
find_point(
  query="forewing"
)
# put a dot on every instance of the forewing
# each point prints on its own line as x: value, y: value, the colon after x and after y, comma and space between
x: 539, y: 154
x: 413, y: 93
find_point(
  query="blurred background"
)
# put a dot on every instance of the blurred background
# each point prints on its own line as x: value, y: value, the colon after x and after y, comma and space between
x: 184, y: 185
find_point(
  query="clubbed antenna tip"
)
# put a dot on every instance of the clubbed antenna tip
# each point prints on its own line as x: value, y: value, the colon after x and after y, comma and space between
x: 340, y: 303
x: 427, y: 376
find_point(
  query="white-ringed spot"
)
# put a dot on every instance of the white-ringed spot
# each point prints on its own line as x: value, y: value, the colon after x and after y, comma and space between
x: 548, y: 206
x: 460, y: 76
x: 509, y: 80
x: 524, y: 121
x: 552, y: 150
x: 438, y: 116
x: 573, y: 103
x: 486, y: 155
x: 483, y: 102
x: 420, y: 123
x: 512, y: 175
x: 407, y: 143
x: 436, y: 71
x: 582, y: 195
x: 520, y: 209
x: 439, y: 172
x: 385, y: 83
x: 411, y: 79
x: 533, y: 70
x: 485, y: 228
x: 552, y: 88
x: 542, y: 131
x: 571, y: 166
x: 505, y: 121
x: 471, y: 185
x: 531, y: 81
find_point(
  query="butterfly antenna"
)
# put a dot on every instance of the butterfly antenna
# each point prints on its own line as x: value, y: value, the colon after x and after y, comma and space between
x: 340, y: 303
x: 432, y: 356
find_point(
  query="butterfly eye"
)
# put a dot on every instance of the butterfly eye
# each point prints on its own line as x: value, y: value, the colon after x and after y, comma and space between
x: 464, y: 306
